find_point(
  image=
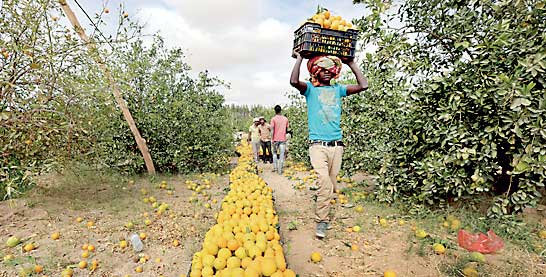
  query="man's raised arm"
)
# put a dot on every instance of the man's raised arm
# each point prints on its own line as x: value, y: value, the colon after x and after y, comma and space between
x: 295, y: 77
x: 360, y: 79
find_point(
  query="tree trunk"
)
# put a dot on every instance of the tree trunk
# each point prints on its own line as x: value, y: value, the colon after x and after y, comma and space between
x: 93, y: 51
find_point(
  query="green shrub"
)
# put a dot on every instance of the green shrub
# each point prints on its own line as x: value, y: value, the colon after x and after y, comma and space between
x: 40, y: 111
x: 297, y: 116
x: 182, y: 118
x: 473, y: 121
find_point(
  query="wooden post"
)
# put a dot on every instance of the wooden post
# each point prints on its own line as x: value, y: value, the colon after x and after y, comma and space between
x: 93, y: 51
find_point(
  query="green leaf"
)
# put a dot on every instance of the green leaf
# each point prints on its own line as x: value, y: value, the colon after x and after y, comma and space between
x: 461, y: 45
x: 521, y: 166
x: 519, y: 102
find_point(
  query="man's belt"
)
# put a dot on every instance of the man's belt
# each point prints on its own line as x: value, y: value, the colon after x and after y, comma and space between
x: 327, y: 143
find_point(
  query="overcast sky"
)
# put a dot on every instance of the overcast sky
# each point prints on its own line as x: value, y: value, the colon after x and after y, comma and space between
x: 244, y: 42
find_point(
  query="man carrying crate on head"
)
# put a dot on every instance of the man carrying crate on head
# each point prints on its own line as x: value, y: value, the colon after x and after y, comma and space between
x: 324, y: 116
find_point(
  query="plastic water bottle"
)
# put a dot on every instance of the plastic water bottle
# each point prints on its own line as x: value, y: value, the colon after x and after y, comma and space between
x: 136, y: 243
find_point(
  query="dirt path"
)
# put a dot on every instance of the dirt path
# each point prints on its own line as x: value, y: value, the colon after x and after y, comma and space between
x: 378, y: 249
x: 294, y: 207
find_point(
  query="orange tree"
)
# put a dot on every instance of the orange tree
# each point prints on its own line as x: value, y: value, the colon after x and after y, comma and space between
x: 39, y: 102
x: 182, y: 118
x: 472, y: 117
x: 56, y: 107
x: 297, y: 115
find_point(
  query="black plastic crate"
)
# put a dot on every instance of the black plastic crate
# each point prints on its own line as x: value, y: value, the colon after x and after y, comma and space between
x: 311, y: 39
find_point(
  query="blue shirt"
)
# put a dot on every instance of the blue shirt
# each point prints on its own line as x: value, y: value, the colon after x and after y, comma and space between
x: 324, y: 111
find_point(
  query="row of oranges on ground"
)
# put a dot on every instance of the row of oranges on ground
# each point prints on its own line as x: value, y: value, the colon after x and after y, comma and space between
x: 245, y: 240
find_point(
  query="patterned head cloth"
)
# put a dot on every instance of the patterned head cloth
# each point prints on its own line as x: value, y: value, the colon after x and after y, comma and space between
x: 319, y: 63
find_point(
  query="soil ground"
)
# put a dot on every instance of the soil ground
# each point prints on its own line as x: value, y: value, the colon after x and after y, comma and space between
x: 380, y: 248
x: 54, y: 207
x: 57, y: 201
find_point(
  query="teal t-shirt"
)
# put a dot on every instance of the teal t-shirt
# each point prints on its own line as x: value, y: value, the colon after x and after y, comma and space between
x: 324, y: 111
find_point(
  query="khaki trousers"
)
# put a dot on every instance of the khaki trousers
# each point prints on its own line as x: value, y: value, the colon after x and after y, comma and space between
x: 326, y: 161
